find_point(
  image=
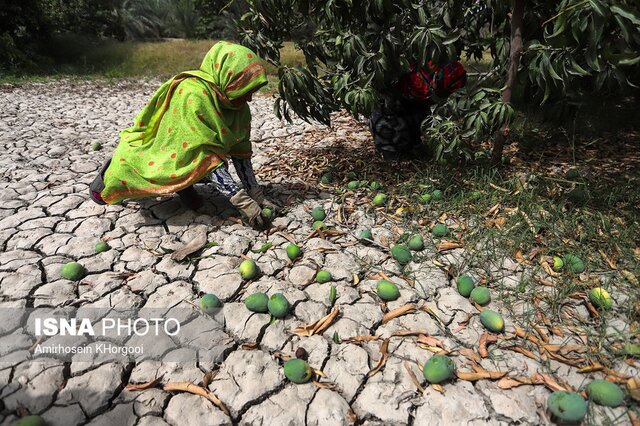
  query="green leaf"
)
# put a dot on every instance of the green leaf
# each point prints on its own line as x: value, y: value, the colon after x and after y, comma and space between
x: 598, y: 7
x: 626, y: 14
x: 263, y: 248
x: 332, y: 295
x: 552, y: 71
x: 451, y: 39
x: 577, y: 69
x: 628, y: 62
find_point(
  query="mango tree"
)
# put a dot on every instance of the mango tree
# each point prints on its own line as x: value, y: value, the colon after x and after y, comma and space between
x: 556, y: 52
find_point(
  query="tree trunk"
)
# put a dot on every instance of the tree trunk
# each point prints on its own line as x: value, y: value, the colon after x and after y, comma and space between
x: 514, y: 63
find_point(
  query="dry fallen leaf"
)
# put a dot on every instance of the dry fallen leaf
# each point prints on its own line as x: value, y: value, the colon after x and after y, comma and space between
x: 485, y: 340
x: 250, y: 346
x: 551, y: 383
x: 432, y: 312
x: 633, y: 385
x: 438, y: 388
x: 358, y: 339
x: 548, y: 269
x: 462, y: 324
x: 412, y: 376
x: 143, y: 386
x: 208, y: 378
x: 384, y: 355
x: 471, y: 355
x: 528, y: 336
x: 512, y: 382
x: 430, y: 341
x: 541, y: 333
x: 523, y: 351
x: 317, y: 327
x: 630, y: 277
x: 192, y: 246
x: 448, y: 245
x: 404, y: 333
x: 197, y: 390
x: 325, y: 385
x: 607, y: 259
x: 480, y: 375
x: 403, y: 310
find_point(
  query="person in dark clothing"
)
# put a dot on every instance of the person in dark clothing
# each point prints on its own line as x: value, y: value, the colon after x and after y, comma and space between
x: 396, y: 124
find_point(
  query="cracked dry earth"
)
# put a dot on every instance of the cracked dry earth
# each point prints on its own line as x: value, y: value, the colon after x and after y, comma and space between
x: 47, y: 219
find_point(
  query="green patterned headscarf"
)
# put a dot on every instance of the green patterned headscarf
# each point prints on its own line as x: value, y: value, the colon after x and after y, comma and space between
x: 188, y: 128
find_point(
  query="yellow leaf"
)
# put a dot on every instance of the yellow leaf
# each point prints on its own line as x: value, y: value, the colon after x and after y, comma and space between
x: 630, y: 277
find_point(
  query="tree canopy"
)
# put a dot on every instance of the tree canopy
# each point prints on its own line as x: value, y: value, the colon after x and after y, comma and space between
x: 559, y: 52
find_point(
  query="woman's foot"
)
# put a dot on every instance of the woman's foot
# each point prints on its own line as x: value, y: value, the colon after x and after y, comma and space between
x: 96, y: 187
x: 190, y: 198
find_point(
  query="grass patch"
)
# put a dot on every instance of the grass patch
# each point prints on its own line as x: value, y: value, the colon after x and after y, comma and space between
x: 511, y: 226
x: 80, y: 57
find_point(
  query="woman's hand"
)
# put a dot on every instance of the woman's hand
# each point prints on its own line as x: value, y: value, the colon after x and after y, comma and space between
x: 248, y: 208
x: 257, y: 194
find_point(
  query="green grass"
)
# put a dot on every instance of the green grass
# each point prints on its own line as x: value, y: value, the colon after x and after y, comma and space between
x: 541, y: 217
x: 79, y: 57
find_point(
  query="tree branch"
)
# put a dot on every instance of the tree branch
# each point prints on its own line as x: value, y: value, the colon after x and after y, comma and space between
x: 514, y: 63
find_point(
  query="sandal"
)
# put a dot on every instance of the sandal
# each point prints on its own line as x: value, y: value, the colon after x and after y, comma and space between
x: 97, y: 186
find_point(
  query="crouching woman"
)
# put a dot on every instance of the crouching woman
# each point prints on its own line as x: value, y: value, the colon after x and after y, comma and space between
x: 190, y: 129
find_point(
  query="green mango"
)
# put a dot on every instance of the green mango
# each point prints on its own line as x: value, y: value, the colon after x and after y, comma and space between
x: 278, y: 305
x: 318, y: 213
x: 574, y: 263
x: 293, y: 251
x: 30, y: 421
x: 366, y: 234
x: 387, y: 290
x: 401, y: 253
x: 379, y: 200
x: 481, y: 296
x: 209, y: 303
x: 416, y: 243
x: 318, y: 224
x: 73, y: 271
x: 567, y: 406
x: 605, y: 393
x: 248, y: 269
x: 102, y: 246
x: 600, y: 298
x: 326, y: 178
x: 492, y: 321
x: 323, y: 276
x: 297, y: 370
x: 438, y: 369
x: 257, y: 302
x: 268, y: 213
x: 439, y: 230
x: 465, y: 285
